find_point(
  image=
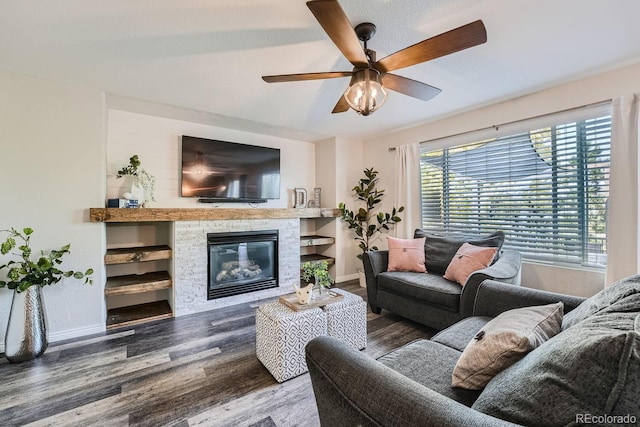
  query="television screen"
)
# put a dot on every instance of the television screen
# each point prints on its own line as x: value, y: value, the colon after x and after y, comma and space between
x: 228, y: 171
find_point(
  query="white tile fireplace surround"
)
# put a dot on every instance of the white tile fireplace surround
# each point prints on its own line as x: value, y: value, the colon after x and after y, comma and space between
x: 190, y: 261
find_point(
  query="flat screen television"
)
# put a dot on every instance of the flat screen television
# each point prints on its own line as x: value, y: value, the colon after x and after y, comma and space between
x: 222, y: 171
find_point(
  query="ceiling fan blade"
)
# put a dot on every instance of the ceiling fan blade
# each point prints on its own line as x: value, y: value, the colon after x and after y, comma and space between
x: 306, y: 76
x: 341, y: 106
x: 409, y: 87
x: 452, y: 41
x: 337, y: 26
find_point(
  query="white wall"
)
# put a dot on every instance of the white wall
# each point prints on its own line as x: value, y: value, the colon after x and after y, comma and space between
x: 339, y: 166
x: 570, y: 95
x: 349, y: 167
x: 156, y: 141
x: 52, y: 140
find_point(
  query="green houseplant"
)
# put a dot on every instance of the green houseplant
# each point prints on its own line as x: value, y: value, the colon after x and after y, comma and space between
x: 26, y: 336
x: 365, y: 222
x: 317, y: 272
x: 141, y: 178
x: 25, y: 273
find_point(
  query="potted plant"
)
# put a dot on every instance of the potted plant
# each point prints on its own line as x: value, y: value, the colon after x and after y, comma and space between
x: 26, y: 336
x: 365, y: 222
x: 317, y: 272
x: 141, y: 179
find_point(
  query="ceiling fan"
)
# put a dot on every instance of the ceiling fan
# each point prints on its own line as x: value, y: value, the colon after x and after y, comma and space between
x: 370, y: 78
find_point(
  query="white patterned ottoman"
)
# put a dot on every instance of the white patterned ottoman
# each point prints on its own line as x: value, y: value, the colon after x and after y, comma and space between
x: 347, y: 319
x: 282, y: 334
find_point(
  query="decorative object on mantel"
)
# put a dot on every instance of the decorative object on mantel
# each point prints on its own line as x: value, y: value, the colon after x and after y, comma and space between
x: 300, y: 198
x: 364, y: 222
x: 317, y: 272
x: 143, y: 183
x: 26, y: 336
x: 315, y: 202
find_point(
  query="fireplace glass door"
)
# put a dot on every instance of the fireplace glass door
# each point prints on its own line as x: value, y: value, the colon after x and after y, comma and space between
x: 242, y: 262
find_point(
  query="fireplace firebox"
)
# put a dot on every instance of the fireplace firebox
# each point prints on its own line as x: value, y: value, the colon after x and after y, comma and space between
x: 241, y: 262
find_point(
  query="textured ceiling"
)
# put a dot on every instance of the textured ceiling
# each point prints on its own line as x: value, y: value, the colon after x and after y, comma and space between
x: 209, y: 55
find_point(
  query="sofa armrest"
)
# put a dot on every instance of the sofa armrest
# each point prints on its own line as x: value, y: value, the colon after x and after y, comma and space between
x: 375, y: 262
x: 493, y: 297
x: 506, y: 269
x: 353, y: 389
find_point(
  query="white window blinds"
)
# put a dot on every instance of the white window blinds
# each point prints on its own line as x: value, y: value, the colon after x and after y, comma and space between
x: 546, y: 186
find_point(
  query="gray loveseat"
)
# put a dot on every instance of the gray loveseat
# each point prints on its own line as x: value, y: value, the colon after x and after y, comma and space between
x: 589, y: 373
x: 429, y: 298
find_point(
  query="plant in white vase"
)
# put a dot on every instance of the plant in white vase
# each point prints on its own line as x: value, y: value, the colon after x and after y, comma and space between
x: 141, y: 178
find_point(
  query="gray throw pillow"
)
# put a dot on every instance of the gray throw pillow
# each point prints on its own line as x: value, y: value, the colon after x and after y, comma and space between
x: 439, y: 249
x: 604, y: 301
x: 503, y: 341
x: 592, y: 369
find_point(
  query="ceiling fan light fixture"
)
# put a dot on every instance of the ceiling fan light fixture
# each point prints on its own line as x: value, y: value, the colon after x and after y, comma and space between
x: 365, y: 93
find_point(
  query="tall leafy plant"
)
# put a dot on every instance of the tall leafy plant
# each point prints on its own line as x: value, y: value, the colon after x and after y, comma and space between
x: 43, y: 271
x: 364, y: 221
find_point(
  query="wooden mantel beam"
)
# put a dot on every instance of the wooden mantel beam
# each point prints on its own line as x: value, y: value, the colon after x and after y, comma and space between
x: 202, y: 214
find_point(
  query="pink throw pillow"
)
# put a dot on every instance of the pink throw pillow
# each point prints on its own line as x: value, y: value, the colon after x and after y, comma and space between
x: 468, y: 259
x: 406, y: 255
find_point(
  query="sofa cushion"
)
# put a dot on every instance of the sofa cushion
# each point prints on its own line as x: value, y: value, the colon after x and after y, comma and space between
x: 469, y: 258
x: 603, y: 301
x: 458, y: 335
x: 429, y: 288
x: 439, y: 249
x: 406, y: 255
x: 592, y: 368
x: 430, y: 364
x: 503, y: 341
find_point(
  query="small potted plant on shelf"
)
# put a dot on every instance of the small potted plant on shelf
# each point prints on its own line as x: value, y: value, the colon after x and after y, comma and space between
x: 141, y: 179
x: 26, y: 336
x: 317, y: 272
x: 365, y: 222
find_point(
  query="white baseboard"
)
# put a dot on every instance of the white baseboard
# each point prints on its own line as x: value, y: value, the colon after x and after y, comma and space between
x: 347, y: 278
x: 76, y: 333
x: 70, y: 333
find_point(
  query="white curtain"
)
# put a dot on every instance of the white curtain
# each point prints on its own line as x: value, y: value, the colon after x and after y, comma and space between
x: 407, y: 189
x: 622, y: 216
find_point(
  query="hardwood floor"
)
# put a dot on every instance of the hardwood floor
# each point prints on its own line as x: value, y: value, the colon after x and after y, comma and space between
x: 197, y: 370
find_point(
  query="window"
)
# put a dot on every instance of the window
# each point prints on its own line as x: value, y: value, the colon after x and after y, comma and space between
x: 546, y: 187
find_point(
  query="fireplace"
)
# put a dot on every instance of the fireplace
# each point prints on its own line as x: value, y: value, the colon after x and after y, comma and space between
x: 241, y: 262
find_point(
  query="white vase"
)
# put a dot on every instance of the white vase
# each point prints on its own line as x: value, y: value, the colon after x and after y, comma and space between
x: 362, y: 278
x: 137, y: 193
x: 131, y: 190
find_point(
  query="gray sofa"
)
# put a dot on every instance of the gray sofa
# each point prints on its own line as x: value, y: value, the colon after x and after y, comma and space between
x: 589, y: 373
x: 430, y: 299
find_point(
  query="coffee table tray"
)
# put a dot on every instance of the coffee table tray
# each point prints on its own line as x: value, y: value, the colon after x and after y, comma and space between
x: 328, y: 297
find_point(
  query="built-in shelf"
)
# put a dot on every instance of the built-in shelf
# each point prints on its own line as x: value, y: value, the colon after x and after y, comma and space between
x: 137, y: 283
x: 316, y: 240
x: 140, y: 313
x: 132, y: 284
x: 316, y: 258
x: 137, y: 254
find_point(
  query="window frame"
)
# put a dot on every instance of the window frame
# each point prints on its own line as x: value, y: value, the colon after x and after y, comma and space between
x: 528, y: 126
